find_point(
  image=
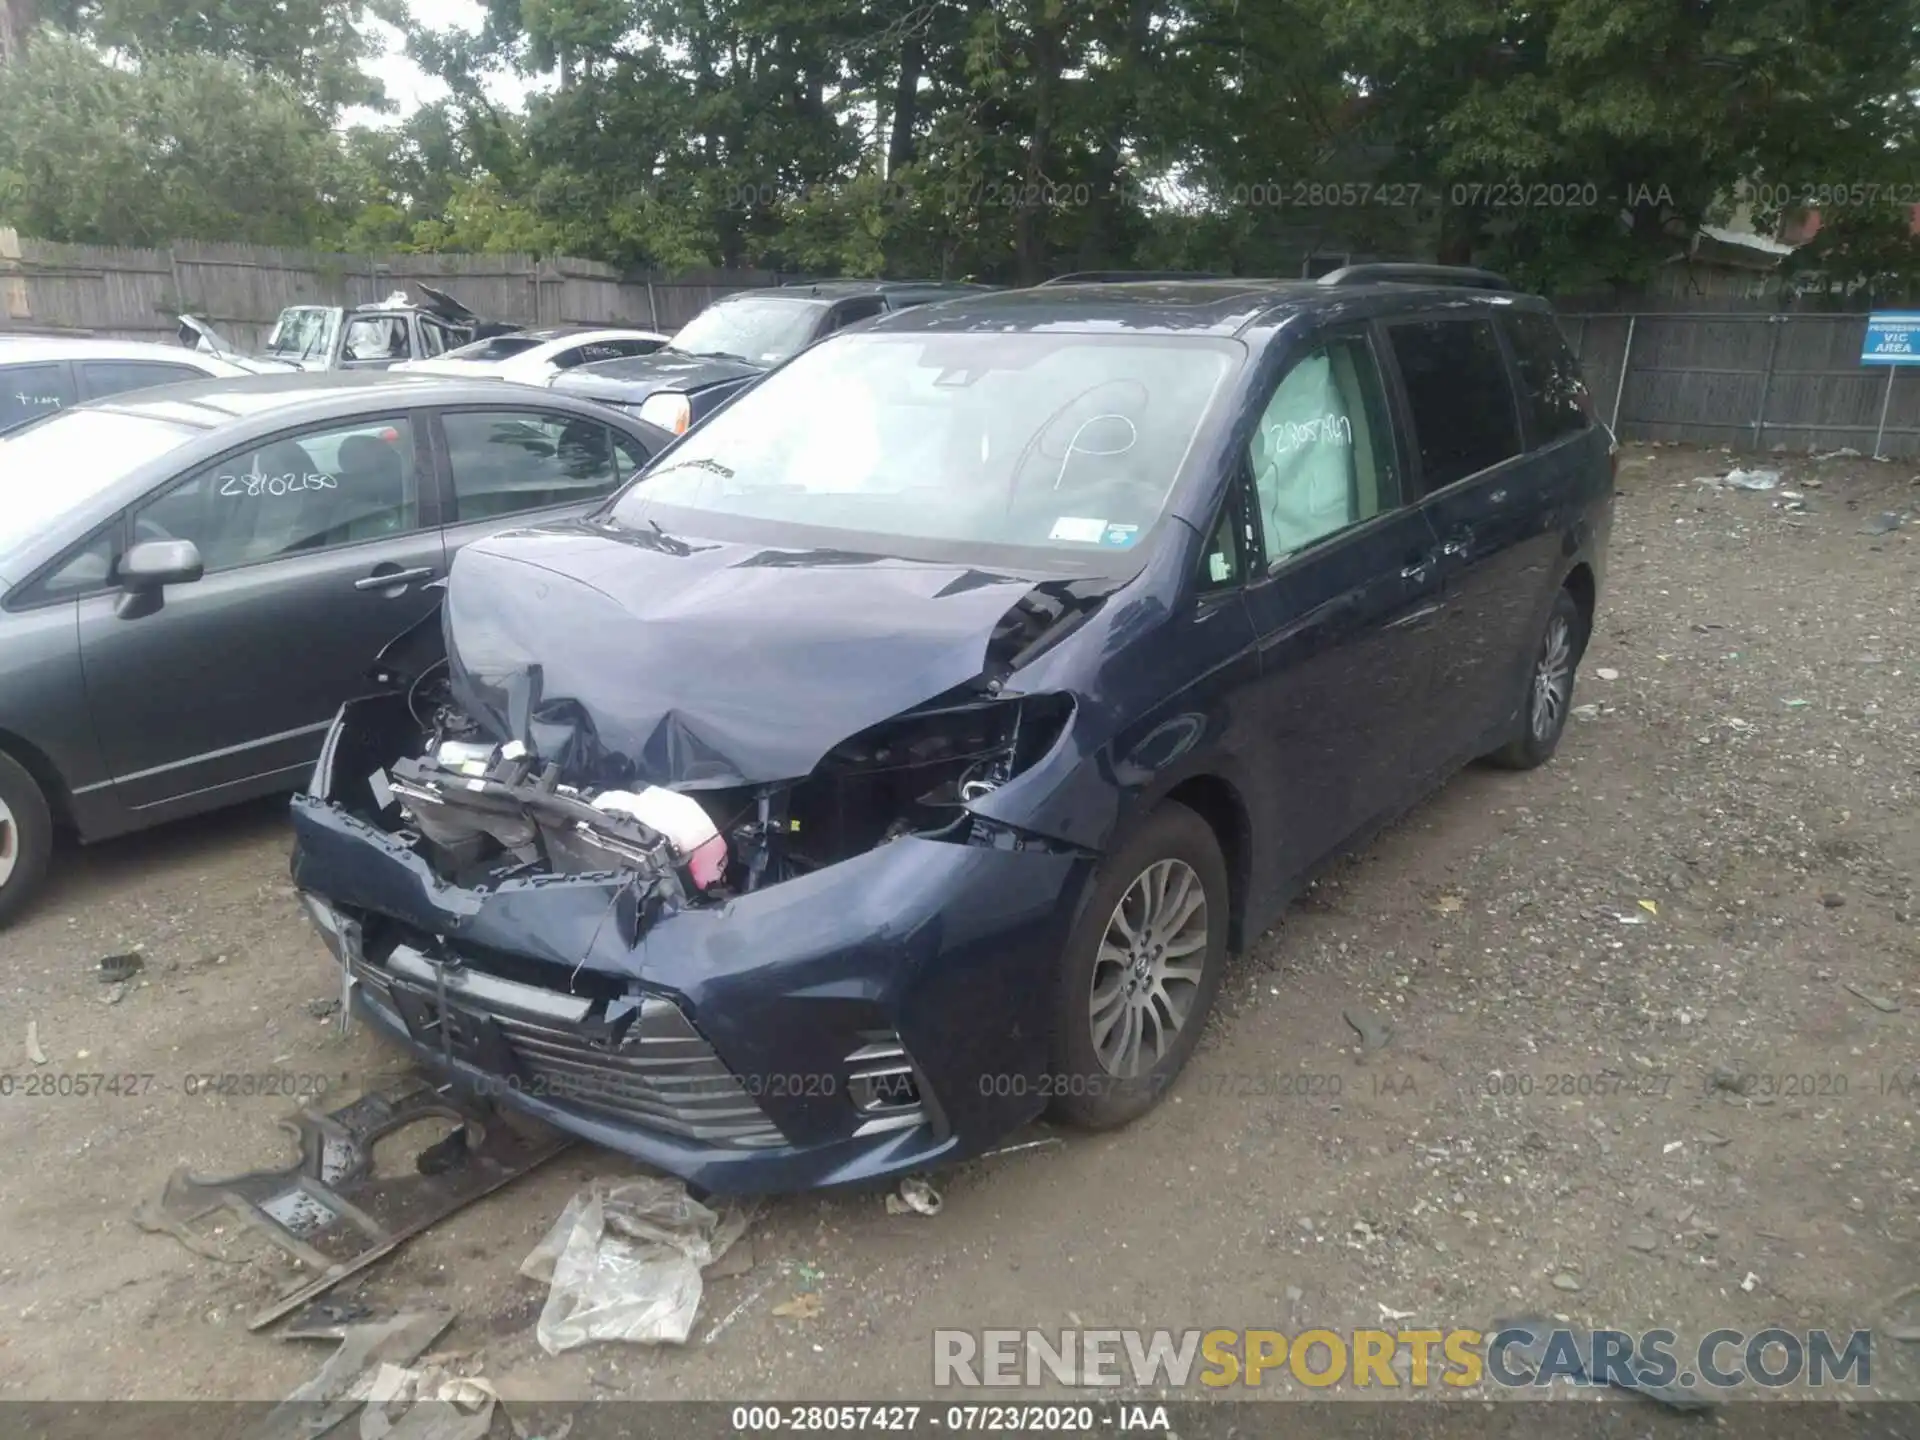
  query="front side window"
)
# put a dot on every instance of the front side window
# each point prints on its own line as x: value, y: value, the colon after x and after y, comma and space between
x: 1065, y: 442
x: 507, y: 461
x: 1456, y: 382
x: 1551, y: 389
x: 293, y: 495
x: 1322, y: 456
x: 29, y: 391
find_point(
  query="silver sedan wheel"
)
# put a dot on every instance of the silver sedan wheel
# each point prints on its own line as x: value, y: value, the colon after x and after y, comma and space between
x: 1552, y: 679
x: 9, y: 843
x: 1147, y: 975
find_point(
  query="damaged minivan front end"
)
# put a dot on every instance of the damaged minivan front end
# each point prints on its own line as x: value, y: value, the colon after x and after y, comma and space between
x: 733, y: 913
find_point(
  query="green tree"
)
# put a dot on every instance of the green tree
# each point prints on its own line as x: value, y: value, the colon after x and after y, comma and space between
x: 178, y: 147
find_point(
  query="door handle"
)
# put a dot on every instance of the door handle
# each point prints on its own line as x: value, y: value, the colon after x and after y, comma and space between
x: 1417, y: 572
x: 388, y: 579
x: 1457, y: 546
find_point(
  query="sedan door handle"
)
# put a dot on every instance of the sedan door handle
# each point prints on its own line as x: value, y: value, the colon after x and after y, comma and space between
x: 1457, y: 547
x: 387, y: 580
x: 1418, y: 571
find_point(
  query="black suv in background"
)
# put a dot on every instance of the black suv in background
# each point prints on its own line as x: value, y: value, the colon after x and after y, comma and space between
x: 736, y: 340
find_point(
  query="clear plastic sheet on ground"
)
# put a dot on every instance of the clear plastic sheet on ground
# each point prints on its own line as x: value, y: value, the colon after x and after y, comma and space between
x: 623, y: 1262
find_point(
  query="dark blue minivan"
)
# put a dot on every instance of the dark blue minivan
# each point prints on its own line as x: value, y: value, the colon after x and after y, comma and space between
x: 907, y: 749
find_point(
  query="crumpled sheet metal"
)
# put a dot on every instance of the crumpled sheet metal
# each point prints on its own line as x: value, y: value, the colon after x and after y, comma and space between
x: 623, y: 1262
x: 702, y: 640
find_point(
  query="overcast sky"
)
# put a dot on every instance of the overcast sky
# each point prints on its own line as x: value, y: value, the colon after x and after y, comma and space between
x: 407, y: 85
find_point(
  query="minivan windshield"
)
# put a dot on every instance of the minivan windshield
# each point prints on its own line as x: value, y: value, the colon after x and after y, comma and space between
x: 65, y: 460
x: 1069, y: 443
x: 304, y: 332
x: 762, y: 330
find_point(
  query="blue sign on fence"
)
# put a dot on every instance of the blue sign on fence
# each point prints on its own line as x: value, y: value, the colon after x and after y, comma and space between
x: 1893, y: 338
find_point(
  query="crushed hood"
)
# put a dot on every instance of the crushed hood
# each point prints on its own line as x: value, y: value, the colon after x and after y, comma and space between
x: 638, y: 376
x: 702, y: 663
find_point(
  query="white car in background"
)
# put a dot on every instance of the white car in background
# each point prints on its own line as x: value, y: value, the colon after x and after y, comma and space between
x: 533, y: 357
x: 40, y: 374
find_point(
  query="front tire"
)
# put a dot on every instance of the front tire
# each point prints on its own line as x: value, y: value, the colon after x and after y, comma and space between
x: 26, y: 837
x: 1549, y: 698
x: 1141, y: 971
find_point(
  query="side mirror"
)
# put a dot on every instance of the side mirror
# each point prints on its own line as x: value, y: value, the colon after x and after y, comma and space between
x: 148, y: 568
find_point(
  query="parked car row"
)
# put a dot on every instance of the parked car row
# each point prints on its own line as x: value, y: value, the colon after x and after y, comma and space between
x: 898, y: 752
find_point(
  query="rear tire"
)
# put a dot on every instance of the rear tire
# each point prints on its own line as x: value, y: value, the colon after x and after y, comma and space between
x: 26, y: 837
x: 1140, y: 972
x: 1549, y: 693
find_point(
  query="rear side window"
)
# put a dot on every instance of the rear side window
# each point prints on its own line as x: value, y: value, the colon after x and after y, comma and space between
x: 1551, y: 391
x: 1456, y: 383
x: 29, y: 391
x: 507, y: 461
x: 115, y: 377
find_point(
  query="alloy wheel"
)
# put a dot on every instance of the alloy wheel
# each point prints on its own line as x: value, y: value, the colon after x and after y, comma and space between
x: 1552, y: 679
x: 1147, y: 975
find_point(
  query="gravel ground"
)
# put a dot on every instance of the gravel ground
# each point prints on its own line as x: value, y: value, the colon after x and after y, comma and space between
x: 1652, y: 1057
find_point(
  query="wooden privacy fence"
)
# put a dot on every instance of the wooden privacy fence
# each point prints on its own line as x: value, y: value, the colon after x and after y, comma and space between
x: 1754, y: 381
x: 53, y: 289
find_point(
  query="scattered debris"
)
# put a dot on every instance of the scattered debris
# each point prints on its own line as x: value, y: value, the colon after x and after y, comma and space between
x: 428, y: 1403
x: 342, y: 1384
x: 1530, y: 1340
x: 1899, y: 1329
x: 721, y: 1325
x: 1751, y: 1281
x: 1564, y: 1281
x: 623, y: 1262
x: 1650, y: 906
x: 1878, y: 1002
x: 1740, y: 479
x: 1671, y: 1146
x: 916, y: 1196
x: 34, y: 1052
x: 322, y: 1009
x: 114, y: 994
x: 331, y: 1211
x: 1833, y: 900
x: 1585, y: 712
x: 1796, y: 704
x: 1645, y: 1241
x: 1606, y: 674
x: 1018, y: 1146
x: 1388, y: 1313
x: 1374, y: 1032
x: 803, y: 1306
x: 1450, y: 904
x: 1845, y: 452
x: 1886, y: 522
x: 115, y: 969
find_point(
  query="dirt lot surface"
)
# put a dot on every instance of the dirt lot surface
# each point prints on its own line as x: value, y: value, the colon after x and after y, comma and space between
x: 1653, y: 1048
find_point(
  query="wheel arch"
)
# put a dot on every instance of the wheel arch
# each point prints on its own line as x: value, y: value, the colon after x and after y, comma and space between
x: 34, y: 761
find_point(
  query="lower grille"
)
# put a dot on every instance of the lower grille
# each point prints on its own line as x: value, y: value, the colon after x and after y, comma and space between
x: 638, y: 1061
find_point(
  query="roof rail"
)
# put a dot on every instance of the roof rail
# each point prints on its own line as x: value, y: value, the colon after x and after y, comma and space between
x: 1398, y: 274
x: 1112, y: 277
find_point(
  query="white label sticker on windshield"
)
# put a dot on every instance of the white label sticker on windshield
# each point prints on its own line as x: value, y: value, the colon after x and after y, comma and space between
x: 1078, y: 527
